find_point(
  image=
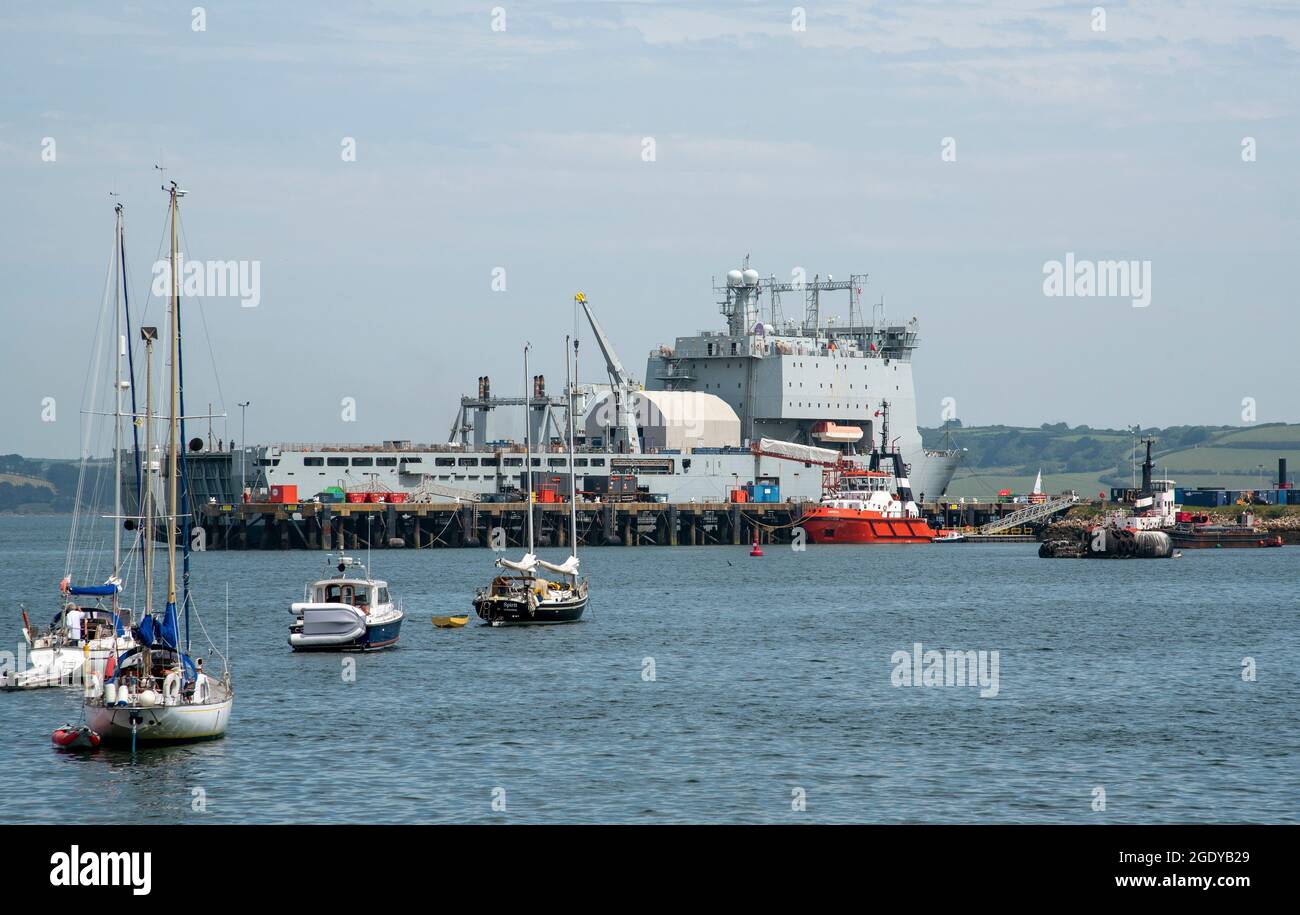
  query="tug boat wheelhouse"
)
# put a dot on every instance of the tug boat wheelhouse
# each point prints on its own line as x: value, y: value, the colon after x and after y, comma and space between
x: 346, y: 613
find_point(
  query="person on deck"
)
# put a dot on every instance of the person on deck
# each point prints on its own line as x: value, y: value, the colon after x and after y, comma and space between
x: 200, y: 682
x: 72, y: 618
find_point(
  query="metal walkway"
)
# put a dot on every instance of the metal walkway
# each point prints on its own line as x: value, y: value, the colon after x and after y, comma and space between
x: 1030, y: 515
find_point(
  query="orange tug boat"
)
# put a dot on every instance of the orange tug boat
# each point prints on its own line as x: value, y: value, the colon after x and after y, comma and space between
x: 866, y: 509
x: 859, y: 504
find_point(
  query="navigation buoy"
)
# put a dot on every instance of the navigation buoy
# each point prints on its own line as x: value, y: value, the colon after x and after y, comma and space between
x: 757, y: 550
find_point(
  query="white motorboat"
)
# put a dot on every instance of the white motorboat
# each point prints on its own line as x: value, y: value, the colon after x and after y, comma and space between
x: 346, y: 612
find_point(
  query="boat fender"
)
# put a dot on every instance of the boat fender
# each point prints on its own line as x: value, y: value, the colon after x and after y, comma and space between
x: 147, y: 698
x: 94, y: 686
x: 110, y: 693
x: 172, y: 688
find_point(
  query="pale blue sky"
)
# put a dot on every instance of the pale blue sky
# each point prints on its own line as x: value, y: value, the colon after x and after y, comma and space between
x: 522, y: 149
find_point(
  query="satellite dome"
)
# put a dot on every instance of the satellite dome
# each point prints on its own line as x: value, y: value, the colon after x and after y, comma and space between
x: 751, y: 277
x: 734, y: 278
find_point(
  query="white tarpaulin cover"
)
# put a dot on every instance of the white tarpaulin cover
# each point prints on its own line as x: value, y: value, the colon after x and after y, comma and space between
x: 527, y: 564
x: 805, y: 453
x: 568, y: 567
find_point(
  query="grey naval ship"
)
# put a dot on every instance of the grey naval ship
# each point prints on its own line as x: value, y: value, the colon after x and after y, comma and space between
x: 684, y: 433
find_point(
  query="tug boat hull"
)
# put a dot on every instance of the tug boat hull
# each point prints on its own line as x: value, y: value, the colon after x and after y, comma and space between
x: 826, y: 525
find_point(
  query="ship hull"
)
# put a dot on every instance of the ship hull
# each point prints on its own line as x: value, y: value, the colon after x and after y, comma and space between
x: 505, y: 612
x: 1212, y: 540
x: 160, y: 724
x: 854, y: 527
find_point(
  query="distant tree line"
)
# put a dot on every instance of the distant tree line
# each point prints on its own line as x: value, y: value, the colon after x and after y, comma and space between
x: 18, y: 496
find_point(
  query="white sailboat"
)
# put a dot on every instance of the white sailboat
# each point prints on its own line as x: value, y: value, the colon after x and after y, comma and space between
x: 154, y: 691
x: 527, y: 598
x: 89, y: 627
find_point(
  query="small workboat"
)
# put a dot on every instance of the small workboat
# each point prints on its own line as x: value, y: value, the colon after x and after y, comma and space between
x: 451, y: 622
x: 948, y: 537
x: 346, y: 612
x: 1198, y: 532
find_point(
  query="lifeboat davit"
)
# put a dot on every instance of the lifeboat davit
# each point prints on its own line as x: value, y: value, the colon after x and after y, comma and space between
x: 74, y: 737
x: 830, y: 432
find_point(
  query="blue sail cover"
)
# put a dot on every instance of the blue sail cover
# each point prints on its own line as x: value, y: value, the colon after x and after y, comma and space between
x: 167, y: 629
x: 159, y: 632
x: 94, y: 590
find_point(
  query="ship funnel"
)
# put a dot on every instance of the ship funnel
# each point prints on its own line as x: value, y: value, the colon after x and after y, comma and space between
x: 1281, y: 473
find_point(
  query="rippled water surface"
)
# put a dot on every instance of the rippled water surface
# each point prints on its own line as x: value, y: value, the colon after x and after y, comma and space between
x: 771, y: 682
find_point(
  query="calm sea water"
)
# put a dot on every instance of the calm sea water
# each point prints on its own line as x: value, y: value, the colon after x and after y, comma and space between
x: 771, y: 682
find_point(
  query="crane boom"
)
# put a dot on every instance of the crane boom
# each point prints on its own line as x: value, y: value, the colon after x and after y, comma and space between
x: 618, y: 376
x: 622, y: 387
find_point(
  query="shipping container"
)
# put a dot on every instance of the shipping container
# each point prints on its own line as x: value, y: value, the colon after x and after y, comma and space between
x: 283, y: 494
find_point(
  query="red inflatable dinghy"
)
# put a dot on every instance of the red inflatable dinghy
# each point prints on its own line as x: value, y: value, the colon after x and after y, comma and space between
x: 72, y: 737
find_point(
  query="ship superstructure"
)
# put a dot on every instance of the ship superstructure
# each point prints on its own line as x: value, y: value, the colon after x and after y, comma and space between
x: 818, y: 380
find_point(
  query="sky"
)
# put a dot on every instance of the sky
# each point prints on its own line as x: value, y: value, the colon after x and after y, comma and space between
x: 388, y: 166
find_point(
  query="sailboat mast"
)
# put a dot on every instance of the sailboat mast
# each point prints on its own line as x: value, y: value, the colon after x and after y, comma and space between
x: 149, y: 335
x: 172, y: 416
x: 120, y: 349
x: 528, y: 445
x: 569, y: 381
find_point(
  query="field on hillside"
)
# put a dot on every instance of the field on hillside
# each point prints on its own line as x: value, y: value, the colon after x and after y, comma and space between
x: 1090, y: 461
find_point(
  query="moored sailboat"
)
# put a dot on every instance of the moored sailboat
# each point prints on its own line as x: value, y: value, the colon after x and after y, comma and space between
x: 89, y: 628
x: 526, y: 598
x: 155, y: 691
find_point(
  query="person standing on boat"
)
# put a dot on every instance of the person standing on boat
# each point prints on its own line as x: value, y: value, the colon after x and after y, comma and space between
x: 200, y: 682
x: 72, y: 617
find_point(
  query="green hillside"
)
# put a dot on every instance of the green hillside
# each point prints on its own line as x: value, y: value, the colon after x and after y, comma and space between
x: 1091, y: 461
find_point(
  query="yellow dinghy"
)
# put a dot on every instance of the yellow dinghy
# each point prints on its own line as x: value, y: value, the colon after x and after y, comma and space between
x: 450, y: 622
